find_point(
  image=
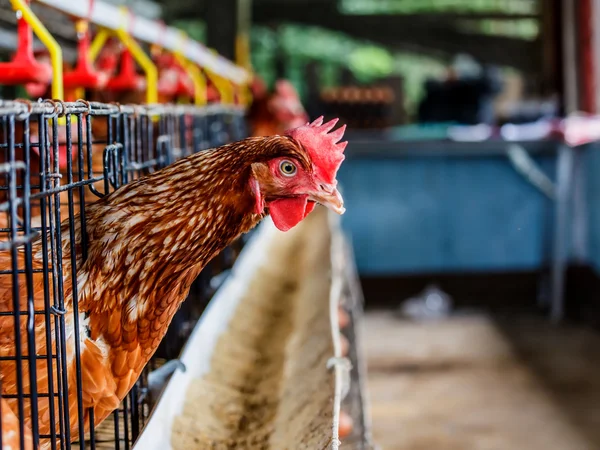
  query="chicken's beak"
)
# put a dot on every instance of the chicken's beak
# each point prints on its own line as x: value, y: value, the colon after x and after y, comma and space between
x: 329, y: 196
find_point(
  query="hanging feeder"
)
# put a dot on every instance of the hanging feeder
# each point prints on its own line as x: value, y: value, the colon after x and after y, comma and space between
x: 212, y: 94
x: 167, y: 70
x: 108, y: 62
x: 24, y: 68
x: 106, y: 57
x: 84, y: 76
x: 167, y: 75
x: 127, y: 79
x: 192, y: 79
x: 185, y: 84
x: 39, y: 89
x: 174, y: 81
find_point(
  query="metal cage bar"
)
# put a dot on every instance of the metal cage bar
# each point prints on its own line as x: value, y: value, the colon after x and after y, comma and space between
x: 50, y: 170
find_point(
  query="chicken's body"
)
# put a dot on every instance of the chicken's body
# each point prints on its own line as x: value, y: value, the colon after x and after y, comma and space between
x: 11, y: 432
x: 144, y: 246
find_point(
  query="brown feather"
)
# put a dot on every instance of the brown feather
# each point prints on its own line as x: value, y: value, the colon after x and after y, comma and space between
x: 11, y: 432
x: 147, y: 242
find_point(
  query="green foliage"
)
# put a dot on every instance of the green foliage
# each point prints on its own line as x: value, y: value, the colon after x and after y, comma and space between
x: 316, y: 43
x: 435, y: 6
x: 527, y: 29
x: 328, y: 74
x: 195, y: 29
x: 365, y: 60
x: 370, y: 62
x: 263, y: 43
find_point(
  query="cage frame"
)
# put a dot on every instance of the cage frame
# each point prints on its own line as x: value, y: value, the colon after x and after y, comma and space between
x: 139, y: 140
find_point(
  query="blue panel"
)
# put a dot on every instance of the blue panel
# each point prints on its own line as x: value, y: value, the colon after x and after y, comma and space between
x: 444, y: 214
x: 394, y: 226
x: 592, y: 165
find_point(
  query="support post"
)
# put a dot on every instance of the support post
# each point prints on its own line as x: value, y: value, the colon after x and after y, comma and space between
x: 560, y: 258
x: 244, y: 20
x: 569, y: 51
x: 221, y: 18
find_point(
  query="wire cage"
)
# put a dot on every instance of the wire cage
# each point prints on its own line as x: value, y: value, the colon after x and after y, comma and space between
x: 58, y: 157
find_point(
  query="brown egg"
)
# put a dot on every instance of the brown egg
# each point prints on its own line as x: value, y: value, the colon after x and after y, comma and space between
x: 343, y: 317
x: 345, y: 344
x: 346, y: 425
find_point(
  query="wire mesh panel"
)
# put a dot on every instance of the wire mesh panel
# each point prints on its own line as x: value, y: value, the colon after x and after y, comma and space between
x: 56, y: 159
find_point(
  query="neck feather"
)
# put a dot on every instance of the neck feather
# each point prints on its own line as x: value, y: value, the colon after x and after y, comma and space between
x: 156, y: 234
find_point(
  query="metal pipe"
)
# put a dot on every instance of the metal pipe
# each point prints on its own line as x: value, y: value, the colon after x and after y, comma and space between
x: 152, y: 32
x: 526, y: 166
x: 580, y: 208
x: 44, y: 35
x: 561, y: 241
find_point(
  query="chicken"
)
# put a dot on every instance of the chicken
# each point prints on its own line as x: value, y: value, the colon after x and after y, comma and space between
x: 11, y: 438
x: 146, y: 243
x: 275, y: 113
x: 286, y: 105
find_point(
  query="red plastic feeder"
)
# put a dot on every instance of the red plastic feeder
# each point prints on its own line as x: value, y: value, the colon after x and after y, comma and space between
x: 212, y: 94
x: 62, y: 147
x: 127, y: 78
x: 185, y: 84
x: 24, y: 68
x: 167, y: 81
x: 174, y: 80
x: 108, y: 60
x: 38, y: 90
x: 84, y: 75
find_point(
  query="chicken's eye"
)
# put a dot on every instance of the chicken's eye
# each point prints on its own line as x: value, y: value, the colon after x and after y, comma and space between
x: 287, y: 168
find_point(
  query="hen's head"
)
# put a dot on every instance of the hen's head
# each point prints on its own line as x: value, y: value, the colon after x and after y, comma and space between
x: 290, y: 185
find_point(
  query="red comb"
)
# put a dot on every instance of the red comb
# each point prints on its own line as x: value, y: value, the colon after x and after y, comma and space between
x: 324, y: 148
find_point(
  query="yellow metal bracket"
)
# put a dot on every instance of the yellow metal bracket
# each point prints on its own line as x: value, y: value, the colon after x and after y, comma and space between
x: 49, y: 42
x: 145, y: 63
x: 224, y: 87
x: 137, y: 52
x: 245, y: 94
x: 141, y: 58
x: 198, y: 78
x: 242, y: 50
x: 81, y: 26
x: 99, y: 42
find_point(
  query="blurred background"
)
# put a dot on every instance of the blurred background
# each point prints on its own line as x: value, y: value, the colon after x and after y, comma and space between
x: 470, y: 187
x: 470, y: 184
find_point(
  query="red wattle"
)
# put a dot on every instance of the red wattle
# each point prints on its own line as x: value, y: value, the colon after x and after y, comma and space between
x: 289, y: 212
x: 309, y: 207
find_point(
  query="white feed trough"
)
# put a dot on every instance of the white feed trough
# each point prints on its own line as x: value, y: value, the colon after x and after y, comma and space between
x: 263, y: 365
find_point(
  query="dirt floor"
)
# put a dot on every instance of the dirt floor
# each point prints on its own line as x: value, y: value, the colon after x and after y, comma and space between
x: 481, y: 383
